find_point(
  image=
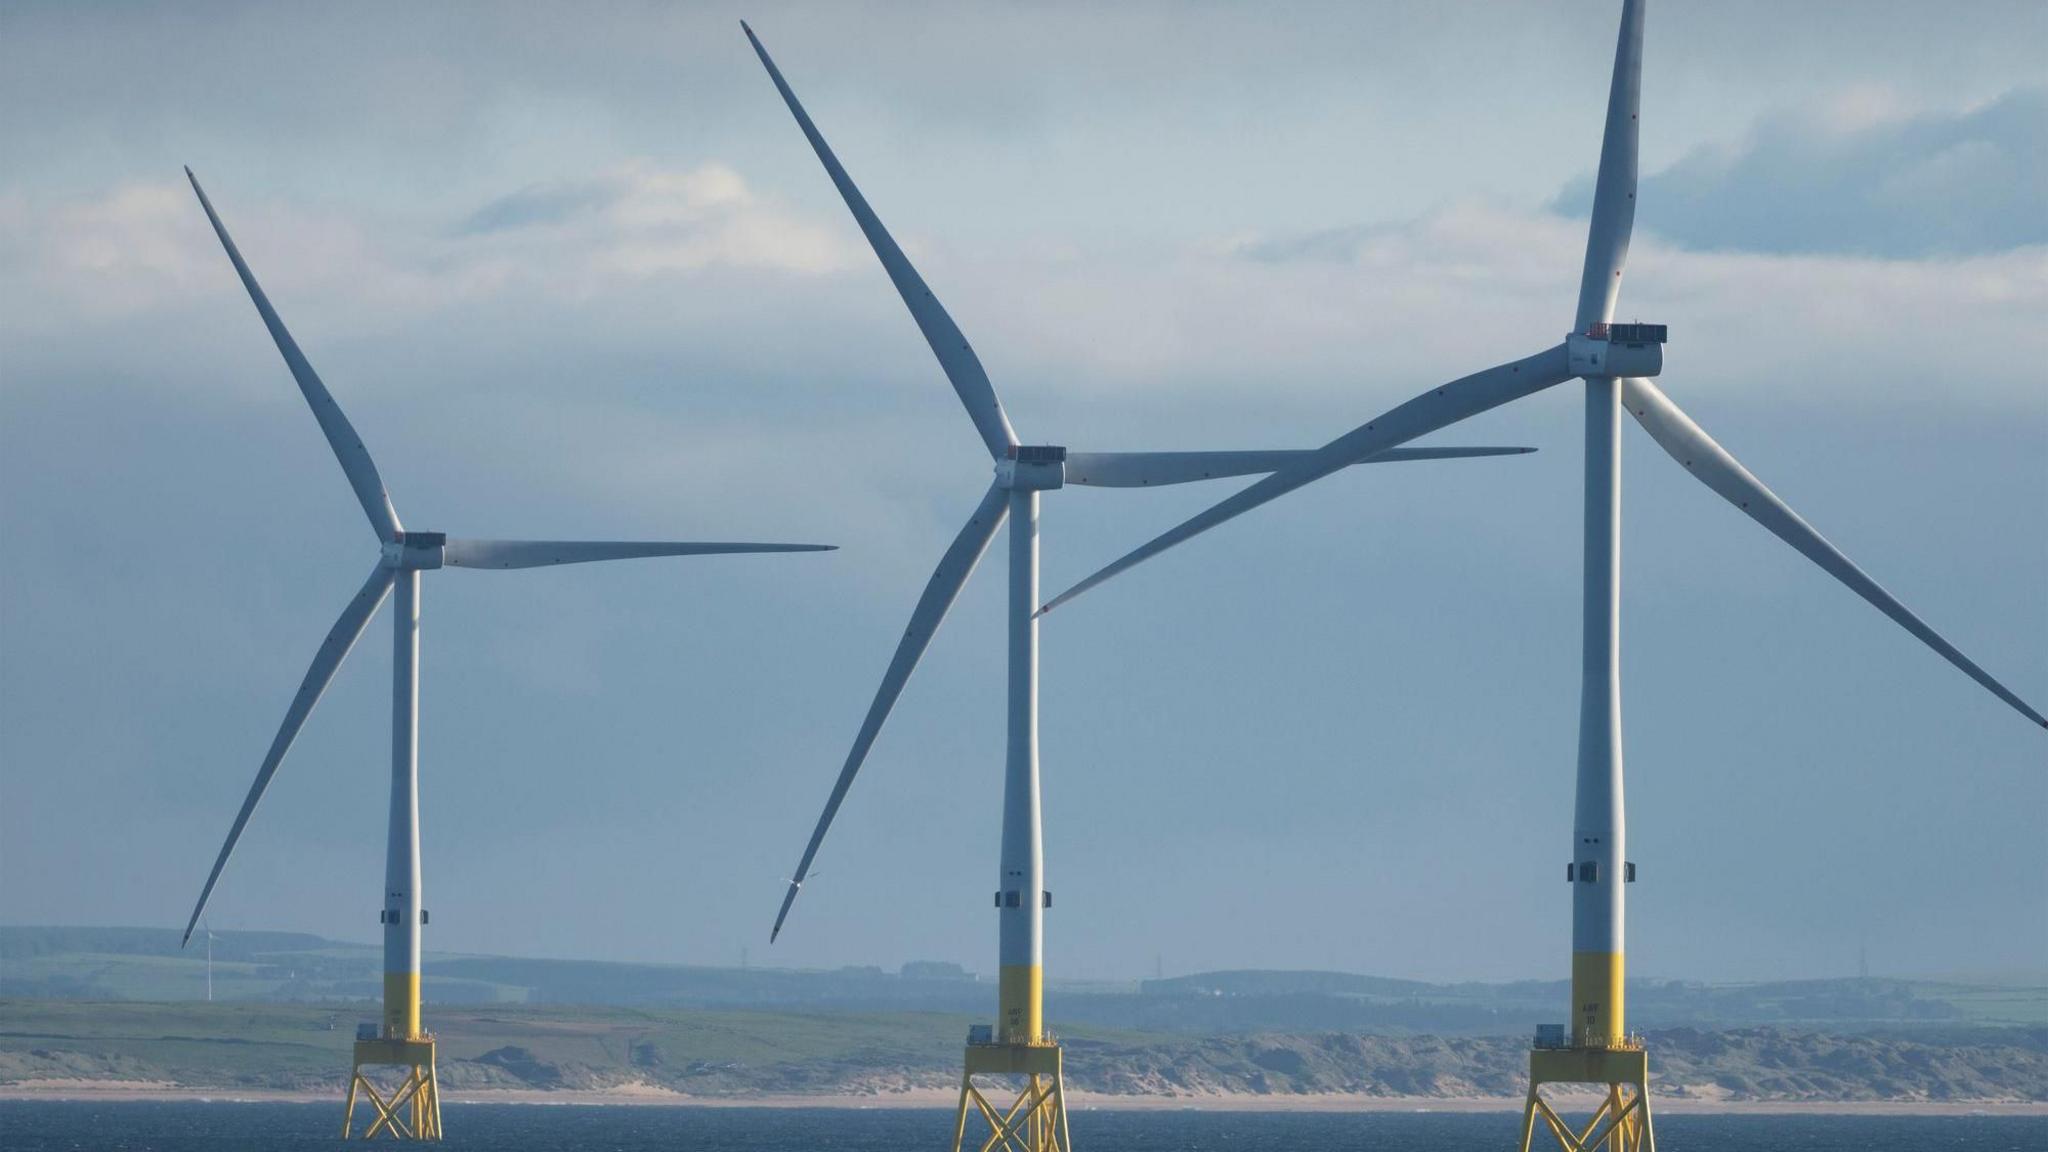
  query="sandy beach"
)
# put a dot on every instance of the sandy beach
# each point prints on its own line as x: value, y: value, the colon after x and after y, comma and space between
x: 945, y: 1098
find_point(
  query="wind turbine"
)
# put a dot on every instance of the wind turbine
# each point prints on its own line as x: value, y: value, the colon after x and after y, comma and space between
x: 1616, y: 361
x: 402, y: 558
x: 209, y: 963
x: 1019, y: 1045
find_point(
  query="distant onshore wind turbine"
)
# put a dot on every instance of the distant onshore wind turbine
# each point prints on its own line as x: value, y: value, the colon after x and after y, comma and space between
x: 403, y: 556
x: 1019, y: 1044
x: 1616, y: 361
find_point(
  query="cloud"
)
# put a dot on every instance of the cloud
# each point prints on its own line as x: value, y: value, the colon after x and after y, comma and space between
x: 1858, y: 177
x: 540, y: 204
x: 109, y: 254
x: 1381, y: 311
x: 650, y: 278
x: 142, y: 250
x: 642, y: 220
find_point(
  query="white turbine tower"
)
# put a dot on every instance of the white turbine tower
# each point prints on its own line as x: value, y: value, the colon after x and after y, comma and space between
x: 1616, y: 362
x: 1019, y: 1044
x: 414, y: 1110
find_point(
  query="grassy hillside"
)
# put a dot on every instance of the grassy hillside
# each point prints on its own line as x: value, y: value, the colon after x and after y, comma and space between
x: 738, y: 1054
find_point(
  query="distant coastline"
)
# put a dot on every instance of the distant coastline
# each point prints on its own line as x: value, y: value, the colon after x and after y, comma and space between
x: 560, y: 1054
x: 646, y: 1095
x: 121, y: 1013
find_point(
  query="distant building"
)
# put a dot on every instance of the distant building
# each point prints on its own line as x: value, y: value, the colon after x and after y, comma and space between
x: 935, y: 970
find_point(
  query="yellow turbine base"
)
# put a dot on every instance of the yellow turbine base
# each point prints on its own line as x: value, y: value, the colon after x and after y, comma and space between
x: 1597, y: 1005
x: 401, y: 1003
x: 410, y: 1108
x: 1020, y: 1004
x: 1621, y: 1123
x: 1037, y: 1122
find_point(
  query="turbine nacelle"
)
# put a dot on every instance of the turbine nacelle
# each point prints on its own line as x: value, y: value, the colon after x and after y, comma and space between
x: 1032, y: 468
x: 1616, y: 350
x: 416, y: 551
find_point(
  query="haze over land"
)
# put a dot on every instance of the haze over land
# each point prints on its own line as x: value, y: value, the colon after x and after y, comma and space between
x: 139, y: 964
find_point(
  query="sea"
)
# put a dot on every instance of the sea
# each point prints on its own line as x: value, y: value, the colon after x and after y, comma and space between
x: 193, y: 1126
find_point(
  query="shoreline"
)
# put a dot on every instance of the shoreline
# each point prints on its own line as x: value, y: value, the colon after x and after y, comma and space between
x: 944, y: 1099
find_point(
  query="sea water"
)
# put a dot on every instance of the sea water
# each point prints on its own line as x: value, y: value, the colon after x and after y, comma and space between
x: 192, y: 1126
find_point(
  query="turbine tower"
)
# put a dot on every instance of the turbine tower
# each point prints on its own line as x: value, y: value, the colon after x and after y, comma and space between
x: 1019, y: 1044
x: 413, y: 1108
x: 1616, y: 361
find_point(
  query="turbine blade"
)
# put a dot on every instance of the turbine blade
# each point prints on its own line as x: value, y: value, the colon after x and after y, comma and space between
x: 1614, y: 189
x: 939, y: 592
x: 333, y: 650
x: 1686, y: 443
x: 1151, y: 469
x: 955, y: 355
x: 1437, y: 408
x: 341, y: 435
x: 542, y: 553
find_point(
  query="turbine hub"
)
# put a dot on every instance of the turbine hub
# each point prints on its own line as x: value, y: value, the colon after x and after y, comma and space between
x: 415, y: 550
x: 1033, y: 467
x: 1617, y: 350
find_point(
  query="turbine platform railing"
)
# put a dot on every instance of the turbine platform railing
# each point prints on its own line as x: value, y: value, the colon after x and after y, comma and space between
x: 1553, y: 1038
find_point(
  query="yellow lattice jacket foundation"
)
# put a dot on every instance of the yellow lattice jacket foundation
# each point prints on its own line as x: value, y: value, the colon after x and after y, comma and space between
x: 406, y: 1109
x: 409, y: 1106
x: 1620, y: 1123
x: 1036, y: 1121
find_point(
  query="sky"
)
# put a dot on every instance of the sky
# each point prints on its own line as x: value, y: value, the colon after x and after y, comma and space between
x: 576, y: 274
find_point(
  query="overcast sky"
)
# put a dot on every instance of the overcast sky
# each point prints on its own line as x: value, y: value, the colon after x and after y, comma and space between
x: 576, y: 274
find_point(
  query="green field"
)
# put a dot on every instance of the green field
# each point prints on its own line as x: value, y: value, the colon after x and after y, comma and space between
x: 286, y: 1046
